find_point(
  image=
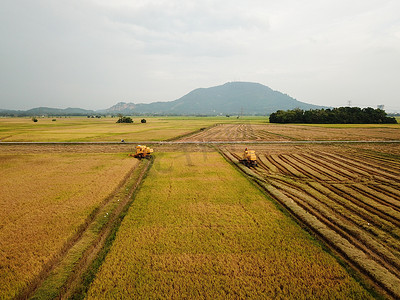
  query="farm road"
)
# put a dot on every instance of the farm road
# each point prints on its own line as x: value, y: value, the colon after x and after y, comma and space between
x: 203, y: 142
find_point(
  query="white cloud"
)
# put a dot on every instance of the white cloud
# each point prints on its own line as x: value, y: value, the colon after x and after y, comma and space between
x: 93, y: 53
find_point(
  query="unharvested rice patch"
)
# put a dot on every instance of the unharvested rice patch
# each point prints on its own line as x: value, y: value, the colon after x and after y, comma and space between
x: 218, y: 239
x: 43, y: 200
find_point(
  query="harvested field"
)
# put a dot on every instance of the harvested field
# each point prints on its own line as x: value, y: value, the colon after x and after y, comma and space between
x: 370, y: 132
x: 45, y: 200
x: 237, y: 132
x: 381, y: 149
x: 349, y: 195
x: 289, y: 132
x: 199, y: 229
x: 75, y: 129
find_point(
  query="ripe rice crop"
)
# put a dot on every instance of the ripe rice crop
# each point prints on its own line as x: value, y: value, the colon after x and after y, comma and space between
x: 199, y: 229
x: 44, y: 200
x: 76, y: 129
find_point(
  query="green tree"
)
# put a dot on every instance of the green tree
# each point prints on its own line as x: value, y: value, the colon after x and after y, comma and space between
x: 123, y: 119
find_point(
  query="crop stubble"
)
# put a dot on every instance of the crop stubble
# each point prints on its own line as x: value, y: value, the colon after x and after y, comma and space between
x: 353, y: 191
x: 290, y: 132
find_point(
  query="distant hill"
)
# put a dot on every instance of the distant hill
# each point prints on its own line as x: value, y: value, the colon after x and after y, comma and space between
x: 47, y: 111
x: 58, y: 111
x: 231, y: 98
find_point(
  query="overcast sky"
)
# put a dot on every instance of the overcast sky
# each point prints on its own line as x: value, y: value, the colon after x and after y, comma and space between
x: 93, y: 54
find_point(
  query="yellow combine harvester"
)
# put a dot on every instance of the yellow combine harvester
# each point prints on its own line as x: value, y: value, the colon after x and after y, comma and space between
x: 142, y: 152
x: 249, y: 158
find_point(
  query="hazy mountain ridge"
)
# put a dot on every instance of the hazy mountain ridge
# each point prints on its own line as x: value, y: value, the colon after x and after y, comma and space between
x: 47, y: 111
x: 230, y: 98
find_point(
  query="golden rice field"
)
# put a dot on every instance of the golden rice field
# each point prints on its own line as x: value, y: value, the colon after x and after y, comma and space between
x: 349, y: 195
x: 199, y: 229
x: 44, y: 201
x: 78, y: 129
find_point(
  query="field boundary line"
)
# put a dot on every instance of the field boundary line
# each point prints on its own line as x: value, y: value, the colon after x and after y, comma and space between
x: 207, y: 142
x: 77, y: 281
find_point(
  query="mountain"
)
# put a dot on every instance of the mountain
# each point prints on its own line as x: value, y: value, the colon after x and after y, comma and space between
x: 47, y: 111
x: 59, y: 112
x: 231, y: 98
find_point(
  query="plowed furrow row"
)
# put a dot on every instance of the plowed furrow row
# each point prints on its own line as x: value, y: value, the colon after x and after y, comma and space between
x: 376, y: 226
x: 229, y: 134
x: 274, y: 166
x: 363, y: 167
x: 372, y: 206
x: 343, y: 226
x: 335, y: 168
x: 342, y: 165
x: 237, y: 156
x: 263, y: 166
x: 390, y: 191
x: 318, y: 172
x: 362, y: 228
x: 376, y: 272
x: 198, y: 136
x: 264, y: 135
x: 218, y: 132
x: 275, y: 161
x: 388, y: 167
x: 372, y: 193
x: 267, y: 165
x: 239, y: 131
x: 390, y: 162
x: 319, y: 167
x: 254, y: 132
x: 301, y: 171
x: 361, y: 174
x: 236, y: 132
x: 279, y: 161
x: 370, y: 222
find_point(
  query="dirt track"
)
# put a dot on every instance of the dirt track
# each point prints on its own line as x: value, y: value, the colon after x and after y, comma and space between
x: 92, y: 250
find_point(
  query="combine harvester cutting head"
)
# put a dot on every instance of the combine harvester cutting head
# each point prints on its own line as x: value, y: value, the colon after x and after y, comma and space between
x: 249, y: 158
x: 142, y: 152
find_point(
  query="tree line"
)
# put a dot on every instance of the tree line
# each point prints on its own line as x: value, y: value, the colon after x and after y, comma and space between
x: 340, y: 115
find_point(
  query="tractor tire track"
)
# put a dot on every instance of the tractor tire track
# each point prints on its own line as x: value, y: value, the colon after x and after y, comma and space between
x: 78, y: 269
x: 335, y: 168
x: 364, y: 168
